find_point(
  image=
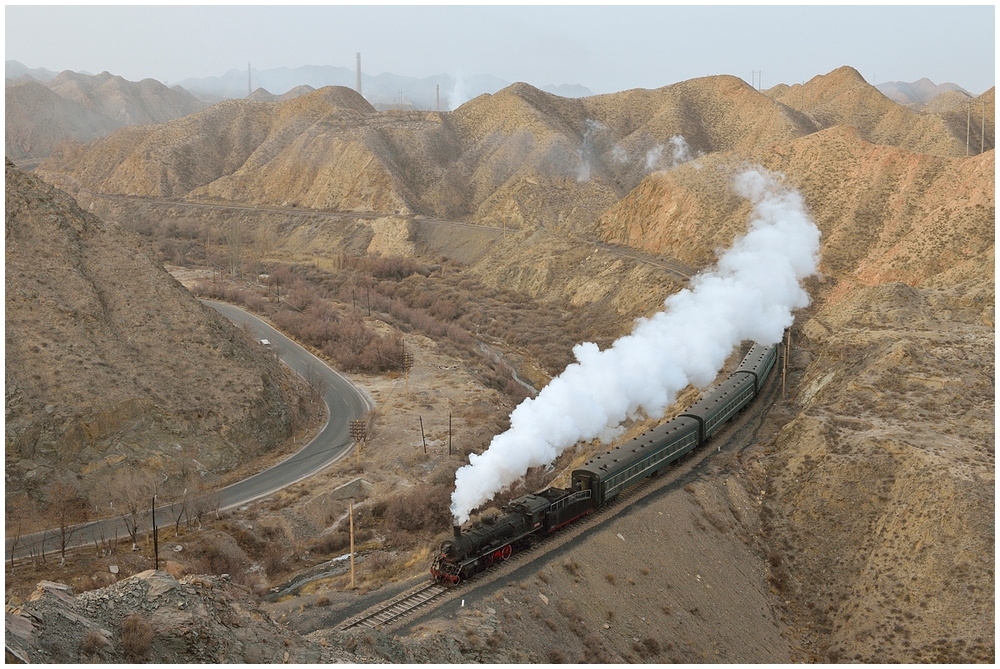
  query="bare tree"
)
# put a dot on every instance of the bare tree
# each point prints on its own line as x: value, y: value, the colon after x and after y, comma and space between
x: 18, y: 509
x: 67, y: 506
x: 178, y: 511
x: 234, y: 247
x: 317, y: 384
x: 131, y: 491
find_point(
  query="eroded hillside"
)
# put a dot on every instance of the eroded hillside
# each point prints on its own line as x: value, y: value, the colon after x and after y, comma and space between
x: 872, y: 480
x: 879, y: 489
x: 517, y: 158
x: 78, y: 108
x: 112, y: 363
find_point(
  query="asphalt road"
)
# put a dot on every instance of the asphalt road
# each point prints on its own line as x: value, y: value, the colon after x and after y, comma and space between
x: 344, y: 403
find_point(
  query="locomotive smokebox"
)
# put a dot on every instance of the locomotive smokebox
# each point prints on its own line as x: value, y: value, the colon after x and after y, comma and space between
x: 458, y: 531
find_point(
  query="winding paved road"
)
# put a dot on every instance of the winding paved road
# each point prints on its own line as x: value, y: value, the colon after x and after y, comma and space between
x: 344, y: 403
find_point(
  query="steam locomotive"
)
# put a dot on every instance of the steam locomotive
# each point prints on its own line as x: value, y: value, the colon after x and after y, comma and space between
x: 529, y: 518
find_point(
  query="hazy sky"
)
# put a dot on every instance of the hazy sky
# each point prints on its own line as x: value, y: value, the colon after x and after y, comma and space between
x: 604, y: 48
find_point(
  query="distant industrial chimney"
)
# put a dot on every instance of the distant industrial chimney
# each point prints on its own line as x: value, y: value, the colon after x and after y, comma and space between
x: 357, y: 79
x: 437, y: 94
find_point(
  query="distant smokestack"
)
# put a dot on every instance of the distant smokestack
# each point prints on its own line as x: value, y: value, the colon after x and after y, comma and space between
x: 357, y: 79
x: 437, y: 97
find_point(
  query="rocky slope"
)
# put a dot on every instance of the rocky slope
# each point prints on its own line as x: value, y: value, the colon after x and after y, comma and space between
x: 154, y: 618
x: 111, y: 361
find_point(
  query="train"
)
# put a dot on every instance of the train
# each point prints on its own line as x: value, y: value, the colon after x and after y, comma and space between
x: 527, y: 519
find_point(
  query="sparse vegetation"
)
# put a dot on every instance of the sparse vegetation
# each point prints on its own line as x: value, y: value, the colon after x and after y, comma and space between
x: 889, y: 396
x: 93, y: 643
x: 136, y: 637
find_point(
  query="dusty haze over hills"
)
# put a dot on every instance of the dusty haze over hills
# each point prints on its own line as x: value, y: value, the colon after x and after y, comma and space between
x: 78, y: 108
x: 870, y: 485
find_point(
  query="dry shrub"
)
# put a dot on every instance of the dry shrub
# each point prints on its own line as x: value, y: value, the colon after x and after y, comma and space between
x: 136, y: 637
x: 594, y: 652
x: 331, y: 542
x: 274, y: 559
x: 379, y: 561
x: 216, y: 560
x: 93, y: 643
x: 649, y: 647
x: 420, y: 510
x: 556, y: 656
x: 322, y: 601
x: 610, y: 578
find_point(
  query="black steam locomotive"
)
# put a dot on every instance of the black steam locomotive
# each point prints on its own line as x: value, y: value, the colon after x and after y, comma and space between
x: 531, y: 517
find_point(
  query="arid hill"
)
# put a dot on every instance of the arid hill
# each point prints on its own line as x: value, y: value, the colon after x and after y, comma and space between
x: 843, y: 97
x: 38, y: 120
x: 112, y: 363
x: 870, y: 487
x: 263, y: 95
x: 891, y: 447
x: 919, y: 93
x: 81, y: 108
x: 882, y: 210
x: 520, y: 157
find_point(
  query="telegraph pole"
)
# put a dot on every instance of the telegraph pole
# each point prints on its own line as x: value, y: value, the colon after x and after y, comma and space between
x: 156, y: 543
x: 407, y: 365
x: 359, y: 432
x: 968, y: 125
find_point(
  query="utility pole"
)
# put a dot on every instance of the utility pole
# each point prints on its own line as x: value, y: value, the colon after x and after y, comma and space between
x: 982, y: 133
x: 449, y: 433
x: 156, y: 543
x: 351, y: 507
x: 407, y: 365
x: 249, y: 80
x: 422, y: 438
x: 359, y: 432
x: 968, y: 125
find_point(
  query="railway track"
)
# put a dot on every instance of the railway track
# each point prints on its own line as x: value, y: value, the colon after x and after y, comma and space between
x: 392, y: 611
x: 397, y: 607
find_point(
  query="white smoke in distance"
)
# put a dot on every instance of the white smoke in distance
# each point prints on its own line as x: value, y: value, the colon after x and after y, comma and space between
x: 750, y: 294
x: 458, y: 95
x: 669, y: 156
x: 586, y: 150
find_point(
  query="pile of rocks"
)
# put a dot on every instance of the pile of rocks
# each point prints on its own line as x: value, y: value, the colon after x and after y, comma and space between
x: 153, y: 617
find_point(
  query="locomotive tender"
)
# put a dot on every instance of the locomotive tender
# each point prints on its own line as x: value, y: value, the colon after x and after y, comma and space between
x: 596, y: 483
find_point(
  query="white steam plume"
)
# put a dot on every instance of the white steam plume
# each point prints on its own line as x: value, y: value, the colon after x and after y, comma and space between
x: 586, y: 150
x: 458, y: 96
x: 680, y: 153
x: 749, y: 295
